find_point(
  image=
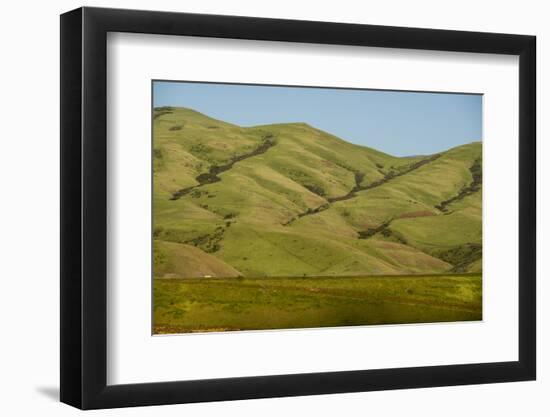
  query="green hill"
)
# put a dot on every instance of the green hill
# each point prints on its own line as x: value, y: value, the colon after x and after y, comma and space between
x: 289, y: 199
x: 176, y: 260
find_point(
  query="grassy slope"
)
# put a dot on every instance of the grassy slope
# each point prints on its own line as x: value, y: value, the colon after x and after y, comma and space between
x: 415, y: 194
x: 409, y: 203
x: 176, y: 260
x: 239, y: 219
x: 460, y: 225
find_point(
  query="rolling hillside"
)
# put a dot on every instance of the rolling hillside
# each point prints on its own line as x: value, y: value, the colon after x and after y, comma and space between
x: 289, y: 199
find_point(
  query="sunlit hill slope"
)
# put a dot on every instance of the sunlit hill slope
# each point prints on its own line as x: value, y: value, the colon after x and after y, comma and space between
x: 292, y: 200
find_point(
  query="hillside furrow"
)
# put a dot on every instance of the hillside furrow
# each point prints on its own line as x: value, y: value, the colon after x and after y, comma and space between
x: 473, y: 187
x: 358, y: 187
x: 214, y: 171
x: 460, y: 256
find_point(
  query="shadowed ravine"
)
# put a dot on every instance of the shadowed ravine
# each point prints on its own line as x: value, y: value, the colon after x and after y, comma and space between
x: 213, y: 173
x: 358, y: 187
x: 473, y: 187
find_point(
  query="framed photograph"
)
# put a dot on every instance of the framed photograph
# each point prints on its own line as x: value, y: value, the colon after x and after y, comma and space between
x: 257, y: 208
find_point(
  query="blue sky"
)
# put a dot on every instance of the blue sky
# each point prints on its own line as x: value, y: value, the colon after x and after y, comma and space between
x: 395, y: 122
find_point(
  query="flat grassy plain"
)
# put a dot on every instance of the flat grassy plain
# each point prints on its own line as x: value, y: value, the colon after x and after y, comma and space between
x: 230, y: 304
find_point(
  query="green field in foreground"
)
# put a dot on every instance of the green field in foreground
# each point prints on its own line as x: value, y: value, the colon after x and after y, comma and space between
x: 228, y: 304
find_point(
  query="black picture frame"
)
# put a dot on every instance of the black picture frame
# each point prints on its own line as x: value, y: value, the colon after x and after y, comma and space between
x: 84, y: 207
